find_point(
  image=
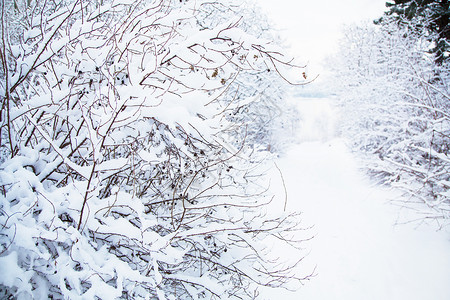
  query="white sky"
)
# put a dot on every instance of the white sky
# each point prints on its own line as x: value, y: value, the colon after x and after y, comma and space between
x: 312, y: 27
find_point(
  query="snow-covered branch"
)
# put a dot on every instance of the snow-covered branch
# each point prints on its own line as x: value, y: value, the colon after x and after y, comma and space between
x: 125, y: 169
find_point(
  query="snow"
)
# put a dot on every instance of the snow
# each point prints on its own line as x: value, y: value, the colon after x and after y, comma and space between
x: 360, y: 250
x: 364, y: 247
x: 8, y: 264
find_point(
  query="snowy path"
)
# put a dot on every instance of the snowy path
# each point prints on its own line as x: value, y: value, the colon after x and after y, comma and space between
x: 358, y: 251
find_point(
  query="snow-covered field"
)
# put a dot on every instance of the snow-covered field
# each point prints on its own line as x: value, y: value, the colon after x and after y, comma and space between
x: 359, y: 249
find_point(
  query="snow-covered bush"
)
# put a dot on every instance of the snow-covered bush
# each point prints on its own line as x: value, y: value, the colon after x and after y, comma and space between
x: 119, y: 175
x: 395, y: 101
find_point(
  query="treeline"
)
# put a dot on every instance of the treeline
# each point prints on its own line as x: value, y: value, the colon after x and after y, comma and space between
x: 394, y: 90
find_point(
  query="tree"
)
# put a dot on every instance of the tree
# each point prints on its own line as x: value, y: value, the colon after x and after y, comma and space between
x: 432, y: 14
x: 119, y: 174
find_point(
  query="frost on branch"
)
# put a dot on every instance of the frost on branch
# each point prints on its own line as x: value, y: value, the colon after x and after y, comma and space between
x: 119, y: 174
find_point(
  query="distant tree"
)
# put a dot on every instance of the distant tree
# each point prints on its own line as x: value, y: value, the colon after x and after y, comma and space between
x: 256, y: 98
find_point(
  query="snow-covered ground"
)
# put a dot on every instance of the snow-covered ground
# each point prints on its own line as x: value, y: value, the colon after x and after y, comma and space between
x: 359, y: 251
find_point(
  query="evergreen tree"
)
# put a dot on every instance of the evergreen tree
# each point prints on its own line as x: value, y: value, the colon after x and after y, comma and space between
x: 432, y: 14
